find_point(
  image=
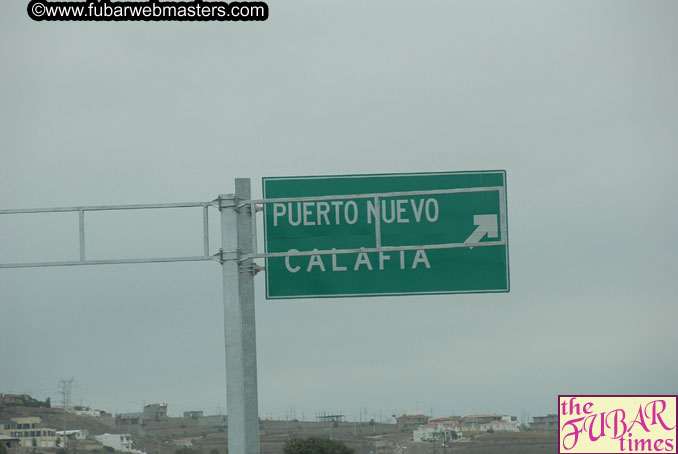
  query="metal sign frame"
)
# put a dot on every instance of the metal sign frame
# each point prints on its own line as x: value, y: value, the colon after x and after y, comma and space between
x: 237, y: 240
x: 81, y: 210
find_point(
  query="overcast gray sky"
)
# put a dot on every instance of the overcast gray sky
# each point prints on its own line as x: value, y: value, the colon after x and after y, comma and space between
x: 576, y: 100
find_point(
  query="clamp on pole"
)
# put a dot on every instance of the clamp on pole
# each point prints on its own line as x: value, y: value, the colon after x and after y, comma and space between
x: 252, y: 268
x: 223, y: 256
x: 248, y: 206
x: 226, y: 201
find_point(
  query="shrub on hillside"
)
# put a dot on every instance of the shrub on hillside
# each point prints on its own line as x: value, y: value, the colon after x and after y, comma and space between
x: 316, y: 445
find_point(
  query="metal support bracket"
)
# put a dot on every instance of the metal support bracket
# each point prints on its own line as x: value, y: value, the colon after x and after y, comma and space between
x: 252, y: 268
x: 227, y: 202
x: 244, y: 208
x: 248, y: 207
x: 223, y: 256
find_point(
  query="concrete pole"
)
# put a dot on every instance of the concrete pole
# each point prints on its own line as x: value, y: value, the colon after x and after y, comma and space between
x: 239, y: 323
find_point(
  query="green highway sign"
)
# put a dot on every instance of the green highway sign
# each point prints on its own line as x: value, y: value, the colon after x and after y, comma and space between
x: 386, y: 234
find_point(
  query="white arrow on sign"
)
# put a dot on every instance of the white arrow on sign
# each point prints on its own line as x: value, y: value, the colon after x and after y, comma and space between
x: 487, y: 224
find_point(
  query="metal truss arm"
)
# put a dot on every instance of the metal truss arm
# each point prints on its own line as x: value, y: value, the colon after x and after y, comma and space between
x: 81, y: 234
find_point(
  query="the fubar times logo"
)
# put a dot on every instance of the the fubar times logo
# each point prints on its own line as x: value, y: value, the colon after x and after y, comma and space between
x: 598, y: 424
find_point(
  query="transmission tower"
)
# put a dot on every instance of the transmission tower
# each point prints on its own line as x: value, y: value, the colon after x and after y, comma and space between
x: 65, y: 392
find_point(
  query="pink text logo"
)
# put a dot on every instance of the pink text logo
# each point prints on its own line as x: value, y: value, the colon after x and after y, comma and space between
x: 617, y: 424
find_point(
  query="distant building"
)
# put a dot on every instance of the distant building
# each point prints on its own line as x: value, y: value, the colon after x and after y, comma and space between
x: 119, y: 442
x: 446, y: 420
x: 28, y: 422
x: 482, y: 418
x: 330, y: 417
x: 155, y: 412
x: 81, y: 410
x: 30, y: 433
x: 411, y: 422
x: 80, y: 434
x: 436, y: 431
x: 192, y: 414
x: 499, y: 426
x: 425, y: 432
x: 106, y: 418
x: 544, y: 423
x: 270, y: 417
x: 474, y: 423
x: 13, y: 399
x: 21, y: 400
x: 129, y: 419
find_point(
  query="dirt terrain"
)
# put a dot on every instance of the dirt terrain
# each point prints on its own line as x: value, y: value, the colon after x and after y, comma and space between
x: 367, y: 439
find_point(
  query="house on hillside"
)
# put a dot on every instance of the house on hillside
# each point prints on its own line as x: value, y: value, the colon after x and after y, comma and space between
x: 544, y: 423
x: 269, y: 417
x: 81, y: 410
x: 29, y: 432
x: 484, y: 422
x: 22, y: 400
x: 499, y: 426
x: 155, y: 412
x: 455, y: 420
x: 79, y: 434
x: 436, y: 431
x: 411, y: 422
x: 129, y: 419
x: 106, y: 418
x: 119, y: 442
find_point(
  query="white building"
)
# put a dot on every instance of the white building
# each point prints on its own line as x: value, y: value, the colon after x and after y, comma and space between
x: 436, y: 432
x: 119, y: 442
x: 80, y: 434
x: 500, y: 426
x: 425, y: 432
x: 270, y: 417
x: 81, y: 410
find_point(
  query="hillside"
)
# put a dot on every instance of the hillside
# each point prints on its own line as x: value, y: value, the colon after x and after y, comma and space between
x: 170, y: 435
x: 54, y: 418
